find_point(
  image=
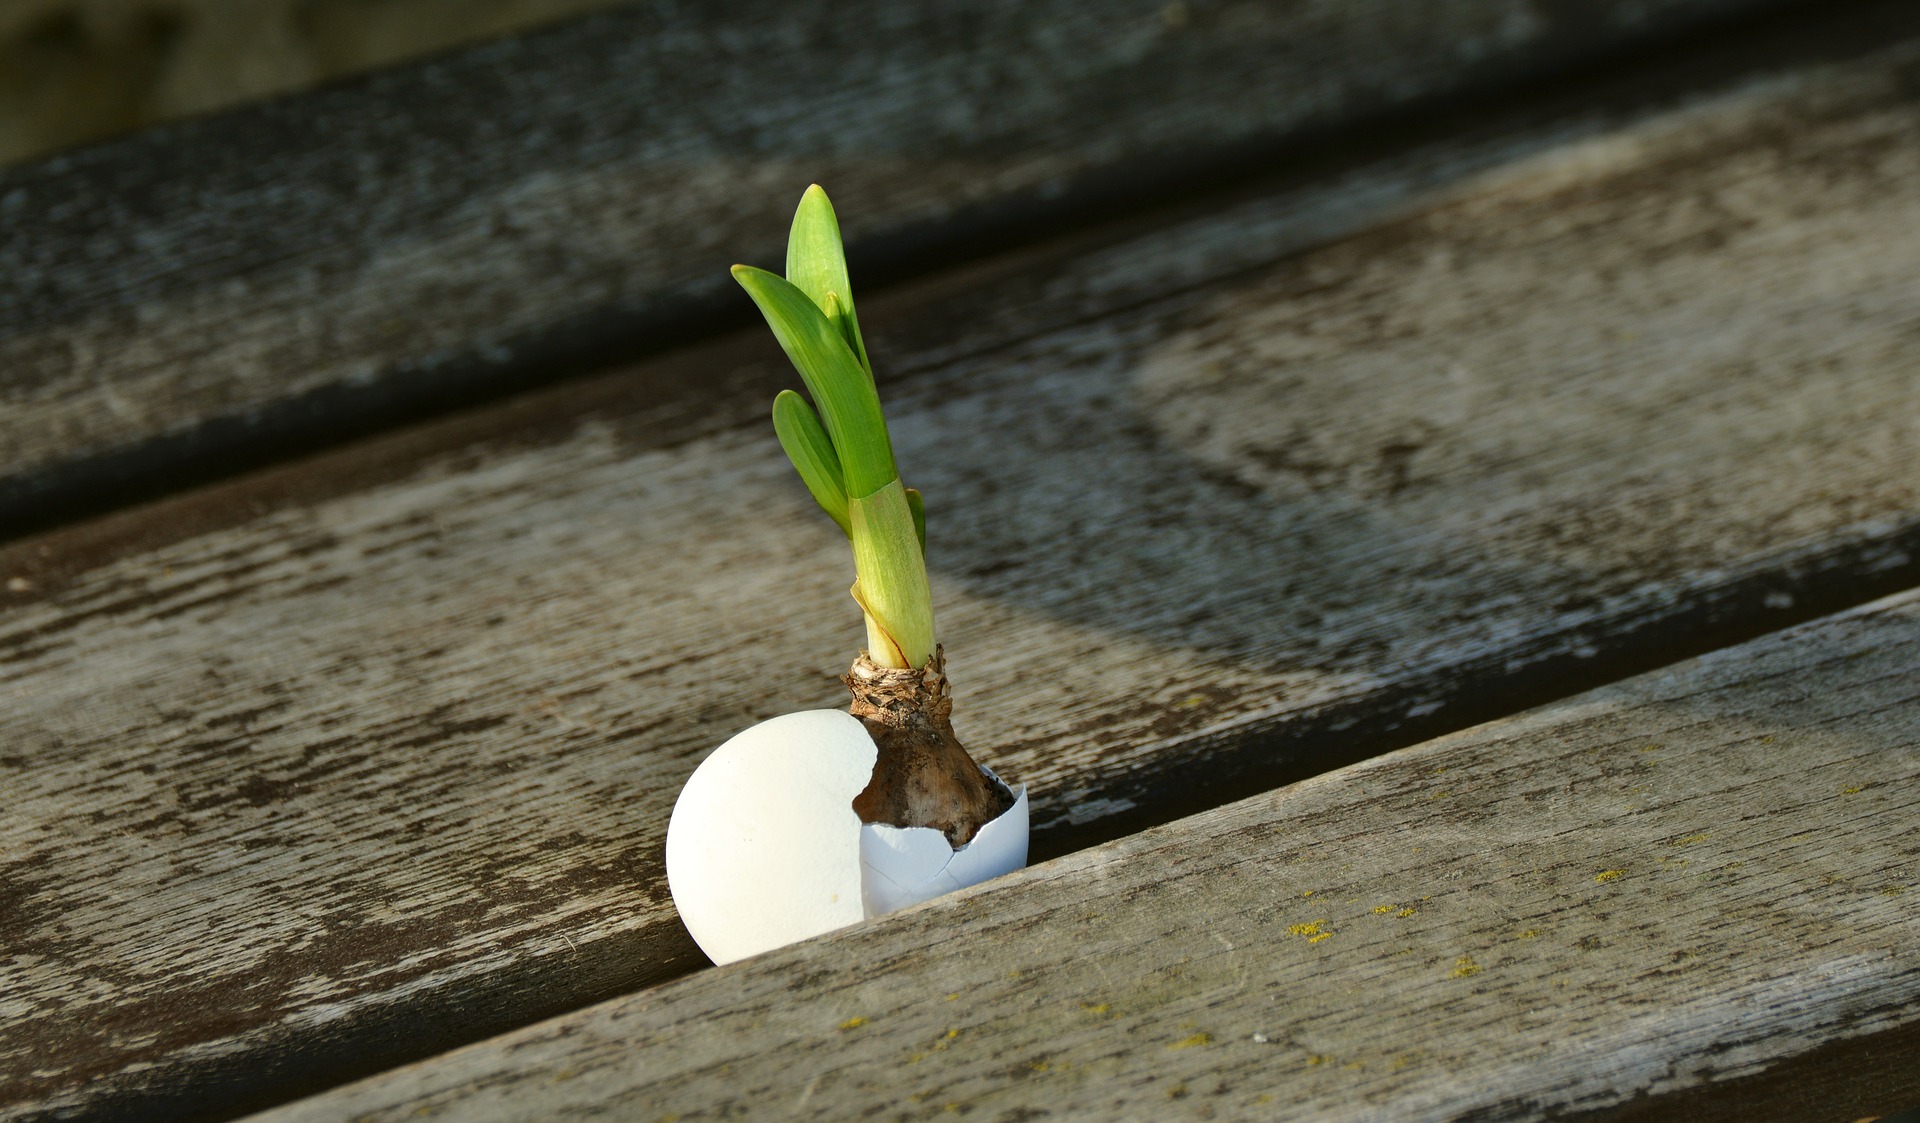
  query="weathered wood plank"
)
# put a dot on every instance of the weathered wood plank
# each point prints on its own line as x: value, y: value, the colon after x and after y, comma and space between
x: 199, y: 295
x: 1643, y: 889
x: 327, y: 768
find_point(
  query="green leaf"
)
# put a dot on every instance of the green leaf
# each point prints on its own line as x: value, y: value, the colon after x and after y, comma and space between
x: 841, y: 387
x: 849, y: 330
x: 817, y: 266
x: 811, y: 451
x: 919, y: 508
x: 842, y: 452
x: 892, y: 586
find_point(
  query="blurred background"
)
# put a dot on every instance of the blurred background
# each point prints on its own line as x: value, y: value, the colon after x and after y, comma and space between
x: 73, y: 71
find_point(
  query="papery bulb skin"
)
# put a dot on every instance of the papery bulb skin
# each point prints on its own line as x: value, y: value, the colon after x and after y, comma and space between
x: 923, y: 777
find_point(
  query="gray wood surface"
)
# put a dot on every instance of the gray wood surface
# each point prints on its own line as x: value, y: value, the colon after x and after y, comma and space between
x: 1642, y: 889
x: 346, y: 762
x: 200, y: 295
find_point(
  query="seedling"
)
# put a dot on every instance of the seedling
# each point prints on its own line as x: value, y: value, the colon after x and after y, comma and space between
x: 922, y: 778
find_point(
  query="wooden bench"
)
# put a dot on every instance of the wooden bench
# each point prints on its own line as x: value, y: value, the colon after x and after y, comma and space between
x: 1302, y: 391
x: 1671, y: 882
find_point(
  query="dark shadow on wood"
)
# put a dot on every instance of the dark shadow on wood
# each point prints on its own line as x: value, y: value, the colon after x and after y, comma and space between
x: 417, y: 388
x: 1305, y: 745
x: 221, y: 1088
x: 1877, y: 1075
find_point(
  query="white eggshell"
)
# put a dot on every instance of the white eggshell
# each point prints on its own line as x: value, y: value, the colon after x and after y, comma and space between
x: 901, y: 866
x: 764, y: 848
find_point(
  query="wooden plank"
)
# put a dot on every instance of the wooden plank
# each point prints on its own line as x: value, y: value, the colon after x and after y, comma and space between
x: 1678, y: 880
x: 199, y: 296
x: 1873, y: 1078
x: 330, y: 767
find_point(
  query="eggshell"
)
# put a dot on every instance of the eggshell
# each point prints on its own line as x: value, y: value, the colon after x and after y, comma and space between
x: 903, y: 866
x: 764, y: 848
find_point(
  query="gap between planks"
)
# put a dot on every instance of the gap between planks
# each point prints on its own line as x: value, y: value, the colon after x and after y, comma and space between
x: 1683, y: 879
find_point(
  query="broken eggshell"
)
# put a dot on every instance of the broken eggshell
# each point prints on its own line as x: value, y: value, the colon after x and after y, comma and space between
x: 901, y: 866
x: 764, y: 847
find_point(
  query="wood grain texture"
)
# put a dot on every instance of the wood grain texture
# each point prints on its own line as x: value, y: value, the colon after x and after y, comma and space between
x: 1640, y: 890
x: 327, y: 769
x: 205, y: 292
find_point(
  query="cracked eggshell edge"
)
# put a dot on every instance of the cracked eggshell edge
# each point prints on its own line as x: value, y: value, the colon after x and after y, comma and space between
x: 903, y: 866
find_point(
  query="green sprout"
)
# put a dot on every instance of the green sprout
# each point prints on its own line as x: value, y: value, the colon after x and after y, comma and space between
x: 839, y: 442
